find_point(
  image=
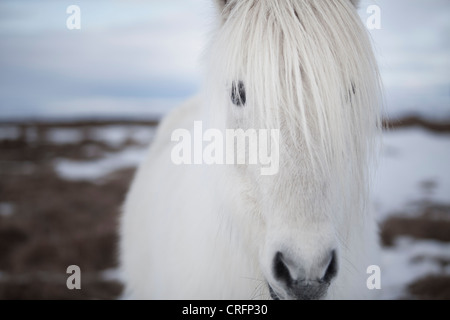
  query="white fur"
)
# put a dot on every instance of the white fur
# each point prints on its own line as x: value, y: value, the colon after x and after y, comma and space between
x: 210, y: 232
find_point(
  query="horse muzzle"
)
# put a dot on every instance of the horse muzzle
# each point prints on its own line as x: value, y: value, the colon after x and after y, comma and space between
x: 291, y: 282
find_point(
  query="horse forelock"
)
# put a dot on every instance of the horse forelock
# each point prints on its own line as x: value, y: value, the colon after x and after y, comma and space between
x: 308, y: 70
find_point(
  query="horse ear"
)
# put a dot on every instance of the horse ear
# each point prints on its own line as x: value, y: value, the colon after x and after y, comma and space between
x: 354, y: 2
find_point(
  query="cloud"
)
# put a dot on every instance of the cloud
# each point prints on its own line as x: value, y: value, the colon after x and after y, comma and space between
x: 149, y: 60
x: 413, y: 50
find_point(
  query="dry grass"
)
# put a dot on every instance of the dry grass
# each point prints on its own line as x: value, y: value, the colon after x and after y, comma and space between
x: 417, y: 121
x: 433, y: 287
x: 420, y: 227
x: 56, y: 223
x: 33, y: 288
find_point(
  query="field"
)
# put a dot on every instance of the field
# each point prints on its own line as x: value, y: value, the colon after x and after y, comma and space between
x: 62, y: 186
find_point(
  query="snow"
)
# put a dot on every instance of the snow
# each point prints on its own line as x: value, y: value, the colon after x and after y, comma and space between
x: 409, y: 158
x: 94, y: 170
x: 143, y: 134
x: 114, y: 274
x: 9, y: 132
x: 116, y: 136
x: 401, y: 266
x: 6, y: 209
x: 64, y: 135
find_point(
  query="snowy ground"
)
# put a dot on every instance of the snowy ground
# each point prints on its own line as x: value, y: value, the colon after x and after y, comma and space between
x: 414, y: 169
x: 412, y: 160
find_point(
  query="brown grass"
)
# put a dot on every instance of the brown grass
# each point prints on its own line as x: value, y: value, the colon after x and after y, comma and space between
x: 34, y: 288
x: 439, y: 126
x: 420, y: 228
x: 433, y: 287
x: 56, y: 223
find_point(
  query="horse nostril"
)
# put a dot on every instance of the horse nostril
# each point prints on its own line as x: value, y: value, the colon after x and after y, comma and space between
x: 281, y: 271
x: 332, y: 268
x: 297, y: 280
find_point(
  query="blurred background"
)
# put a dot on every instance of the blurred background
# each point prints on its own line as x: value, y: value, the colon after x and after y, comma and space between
x: 78, y: 109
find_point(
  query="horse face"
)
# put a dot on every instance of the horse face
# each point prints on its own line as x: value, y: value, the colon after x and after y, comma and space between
x: 272, y: 77
x: 299, y: 253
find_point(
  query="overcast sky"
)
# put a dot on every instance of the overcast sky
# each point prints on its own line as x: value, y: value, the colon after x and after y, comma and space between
x: 138, y: 58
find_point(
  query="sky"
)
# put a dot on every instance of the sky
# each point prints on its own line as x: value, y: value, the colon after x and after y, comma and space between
x: 413, y: 49
x: 136, y: 58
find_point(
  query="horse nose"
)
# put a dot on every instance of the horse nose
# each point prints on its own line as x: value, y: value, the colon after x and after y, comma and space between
x: 294, y: 282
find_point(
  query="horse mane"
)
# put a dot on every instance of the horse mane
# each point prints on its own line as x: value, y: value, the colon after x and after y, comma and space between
x: 309, y: 70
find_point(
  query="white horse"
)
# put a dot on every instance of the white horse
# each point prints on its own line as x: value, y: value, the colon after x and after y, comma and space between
x: 305, y: 67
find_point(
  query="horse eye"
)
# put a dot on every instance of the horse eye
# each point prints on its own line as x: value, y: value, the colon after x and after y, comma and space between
x: 238, y: 94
